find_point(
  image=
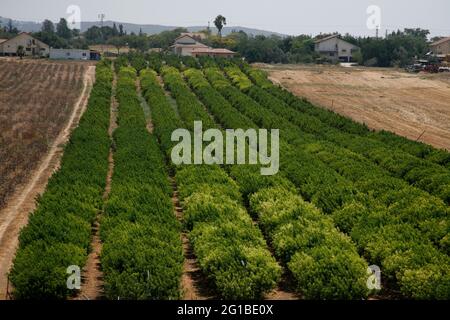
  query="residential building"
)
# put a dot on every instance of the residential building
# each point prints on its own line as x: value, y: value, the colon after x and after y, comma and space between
x: 185, y: 44
x: 335, y: 49
x: 31, y: 46
x: 441, y: 47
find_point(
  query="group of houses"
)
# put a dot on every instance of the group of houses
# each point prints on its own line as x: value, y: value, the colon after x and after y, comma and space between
x: 332, y: 48
x: 186, y: 44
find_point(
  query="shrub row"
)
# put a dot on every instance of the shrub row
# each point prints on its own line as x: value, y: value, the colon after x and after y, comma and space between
x: 337, y: 121
x: 421, y: 173
x: 324, y: 262
x: 142, y: 252
x: 230, y: 250
x: 292, y: 225
x: 189, y: 108
x: 351, y: 210
x: 359, y: 169
x: 59, y: 230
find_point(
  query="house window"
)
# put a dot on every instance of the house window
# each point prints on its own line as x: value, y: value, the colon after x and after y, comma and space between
x: 84, y: 54
x: 68, y: 54
x: 344, y: 50
x: 331, y: 54
x: 28, y: 49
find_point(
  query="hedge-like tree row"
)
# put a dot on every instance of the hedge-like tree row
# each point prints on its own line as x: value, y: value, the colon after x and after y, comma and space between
x: 142, y: 251
x: 435, y: 225
x: 189, y: 108
x: 231, y: 251
x: 340, y: 122
x: 59, y: 231
x: 424, y: 174
x: 417, y: 149
x: 384, y: 148
x: 373, y: 228
x: 332, y: 268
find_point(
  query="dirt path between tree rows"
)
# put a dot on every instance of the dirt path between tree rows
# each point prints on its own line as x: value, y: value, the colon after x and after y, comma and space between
x: 15, y: 214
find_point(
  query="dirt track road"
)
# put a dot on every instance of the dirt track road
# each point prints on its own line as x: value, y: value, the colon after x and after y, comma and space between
x: 407, y: 104
x: 15, y: 215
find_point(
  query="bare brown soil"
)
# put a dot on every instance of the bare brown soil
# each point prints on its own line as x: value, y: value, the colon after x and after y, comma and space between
x: 14, y: 215
x: 92, y: 287
x: 390, y: 99
x: 36, y: 100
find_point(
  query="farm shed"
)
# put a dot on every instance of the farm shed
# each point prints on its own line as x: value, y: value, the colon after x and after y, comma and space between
x: 335, y: 49
x: 32, y: 47
x: 74, y: 54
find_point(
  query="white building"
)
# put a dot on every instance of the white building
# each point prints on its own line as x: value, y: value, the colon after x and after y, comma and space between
x: 31, y: 46
x: 335, y: 49
x: 70, y: 54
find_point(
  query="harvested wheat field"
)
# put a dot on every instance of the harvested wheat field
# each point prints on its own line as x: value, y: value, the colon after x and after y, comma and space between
x: 416, y: 106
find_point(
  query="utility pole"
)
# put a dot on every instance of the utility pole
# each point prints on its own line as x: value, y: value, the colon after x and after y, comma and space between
x: 209, y: 28
x: 378, y: 29
x: 102, y: 16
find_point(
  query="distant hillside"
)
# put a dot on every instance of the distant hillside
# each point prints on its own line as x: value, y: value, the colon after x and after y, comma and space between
x: 26, y: 26
x: 29, y: 26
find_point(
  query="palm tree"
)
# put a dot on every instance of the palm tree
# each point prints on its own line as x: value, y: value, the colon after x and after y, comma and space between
x: 219, y: 22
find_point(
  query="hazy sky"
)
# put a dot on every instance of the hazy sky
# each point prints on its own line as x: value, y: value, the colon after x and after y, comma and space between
x: 285, y: 16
